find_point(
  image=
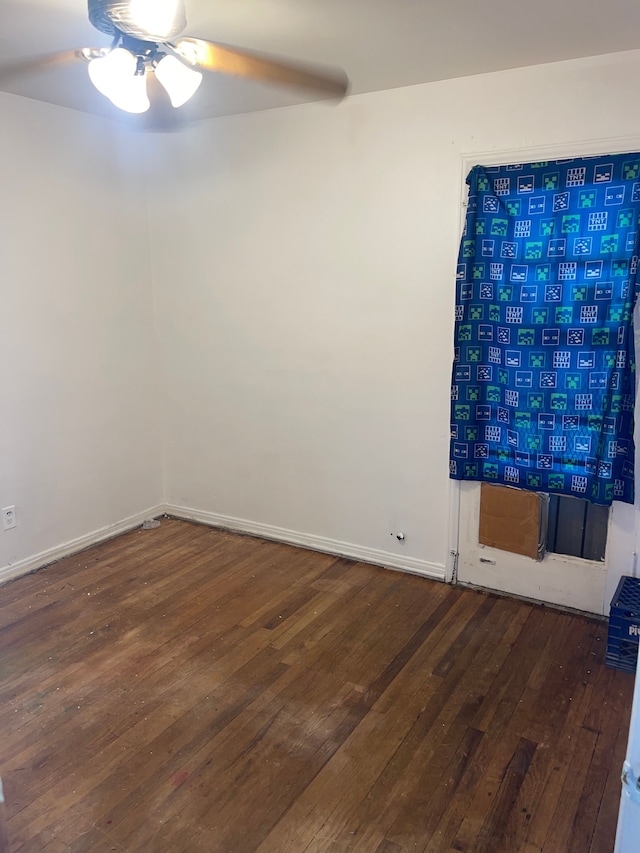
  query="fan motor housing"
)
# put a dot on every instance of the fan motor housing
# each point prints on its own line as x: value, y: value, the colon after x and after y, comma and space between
x: 115, y: 16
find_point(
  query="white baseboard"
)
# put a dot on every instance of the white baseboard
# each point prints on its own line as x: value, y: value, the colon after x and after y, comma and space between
x: 226, y: 522
x: 315, y: 543
x: 44, y: 558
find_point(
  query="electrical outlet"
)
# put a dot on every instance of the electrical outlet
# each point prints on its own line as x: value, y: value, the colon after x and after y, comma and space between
x: 8, y: 517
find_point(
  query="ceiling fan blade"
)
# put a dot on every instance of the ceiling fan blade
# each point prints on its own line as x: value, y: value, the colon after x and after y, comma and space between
x: 243, y: 63
x: 48, y: 61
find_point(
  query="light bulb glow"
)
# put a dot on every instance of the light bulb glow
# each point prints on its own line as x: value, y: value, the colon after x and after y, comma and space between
x: 180, y: 82
x: 159, y: 18
x: 114, y: 76
x: 133, y: 97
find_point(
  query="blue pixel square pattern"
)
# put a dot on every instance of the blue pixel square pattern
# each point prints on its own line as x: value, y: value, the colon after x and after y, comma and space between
x: 562, y: 247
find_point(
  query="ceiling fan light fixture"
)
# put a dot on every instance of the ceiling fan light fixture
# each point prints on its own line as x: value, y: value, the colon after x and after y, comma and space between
x: 180, y: 82
x: 132, y: 98
x: 148, y: 20
x: 161, y: 18
x: 114, y: 76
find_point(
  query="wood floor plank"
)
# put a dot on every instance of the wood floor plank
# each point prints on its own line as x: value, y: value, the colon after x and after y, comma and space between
x: 387, y: 846
x: 549, y: 772
x: 496, y: 753
x: 471, y: 799
x: 189, y: 689
x: 494, y: 834
x: 582, y: 830
x: 458, y: 702
x: 607, y: 819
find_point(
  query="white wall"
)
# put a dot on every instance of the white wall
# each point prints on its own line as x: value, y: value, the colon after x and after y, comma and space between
x: 300, y: 282
x: 304, y: 261
x: 79, y: 449
x: 300, y: 388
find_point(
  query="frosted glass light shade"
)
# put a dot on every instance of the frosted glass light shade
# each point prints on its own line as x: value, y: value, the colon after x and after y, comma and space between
x: 114, y: 76
x: 180, y: 82
x: 133, y: 97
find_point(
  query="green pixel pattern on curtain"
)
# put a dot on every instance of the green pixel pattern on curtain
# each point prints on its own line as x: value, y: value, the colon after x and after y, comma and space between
x: 543, y: 388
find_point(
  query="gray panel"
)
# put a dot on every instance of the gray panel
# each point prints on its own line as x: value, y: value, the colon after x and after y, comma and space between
x: 552, y: 523
x: 595, y: 533
x: 577, y: 527
x: 570, y: 531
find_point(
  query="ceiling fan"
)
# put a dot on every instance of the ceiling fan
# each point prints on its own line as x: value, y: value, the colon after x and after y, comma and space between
x: 147, y: 67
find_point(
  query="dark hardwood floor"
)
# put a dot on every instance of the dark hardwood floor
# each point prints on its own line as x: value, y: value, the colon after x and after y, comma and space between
x: 184, y: 689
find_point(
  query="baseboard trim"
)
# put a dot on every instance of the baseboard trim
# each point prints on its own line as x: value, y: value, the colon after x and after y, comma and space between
x: 323, y: 544
x: 306, y: 540
x: 51, y: 555
x: 536, y: 602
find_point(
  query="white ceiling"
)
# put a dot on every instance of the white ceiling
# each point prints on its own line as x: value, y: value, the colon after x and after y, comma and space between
x: 381, y: 44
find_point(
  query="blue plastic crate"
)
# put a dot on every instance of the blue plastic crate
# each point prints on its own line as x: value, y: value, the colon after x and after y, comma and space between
x: 624, y: 626
x: 622, y: 654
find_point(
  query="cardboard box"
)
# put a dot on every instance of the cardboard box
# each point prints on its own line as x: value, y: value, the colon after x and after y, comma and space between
x: 513, y: 520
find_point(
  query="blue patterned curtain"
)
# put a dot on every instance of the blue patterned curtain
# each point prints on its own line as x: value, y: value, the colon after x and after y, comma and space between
x: 543, y: 385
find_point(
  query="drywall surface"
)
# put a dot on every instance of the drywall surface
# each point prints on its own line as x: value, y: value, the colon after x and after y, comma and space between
x: 79, y: 449
x: 304, y: 260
